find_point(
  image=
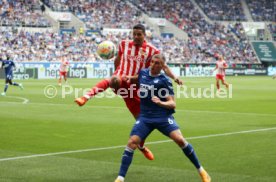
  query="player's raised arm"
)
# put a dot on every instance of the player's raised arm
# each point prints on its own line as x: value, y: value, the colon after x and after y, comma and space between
x: 215, y: 68
x: 117, y: 61
x: 169, y: 104
x: 131, y: 79
x: 13, y: 66
x: 168, y: 72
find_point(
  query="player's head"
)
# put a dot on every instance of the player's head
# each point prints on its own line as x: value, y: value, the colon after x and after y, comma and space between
x: 218, y: 56
x: 157, y: 63
x: 139, y: 33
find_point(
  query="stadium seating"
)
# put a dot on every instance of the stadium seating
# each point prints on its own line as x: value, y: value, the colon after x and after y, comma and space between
x: 99, y: 14
x: 25, y: 46
x: 223, y: 10
x: 272, y: 28
x: 22, y: 13
x: 262, y: 10
x: 205, y: 39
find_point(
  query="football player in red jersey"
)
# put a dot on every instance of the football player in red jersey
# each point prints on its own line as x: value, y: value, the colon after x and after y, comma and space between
x: 220, y: 66
x: 133, y: 55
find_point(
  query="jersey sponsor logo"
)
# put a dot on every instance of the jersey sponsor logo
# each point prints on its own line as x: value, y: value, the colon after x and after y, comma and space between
x: 143, y: 52
x: 145, y: 87
x: 136, y: 58
x: 156, y: 81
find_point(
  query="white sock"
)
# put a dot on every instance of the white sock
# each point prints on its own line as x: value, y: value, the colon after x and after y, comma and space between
x: 200, y: 169
x: 87, y: 96
x: 121, y: 178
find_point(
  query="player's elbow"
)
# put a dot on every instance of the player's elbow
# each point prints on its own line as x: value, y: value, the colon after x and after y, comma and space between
x: 172, y: 105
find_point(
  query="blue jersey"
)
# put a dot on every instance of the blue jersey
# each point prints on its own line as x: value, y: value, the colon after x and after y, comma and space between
x: 8, y: 65
x: 150, y: 86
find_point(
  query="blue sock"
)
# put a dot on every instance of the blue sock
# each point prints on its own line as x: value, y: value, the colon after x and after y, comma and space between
x: 126, y: 161
x: 6, y: 87
x: 15, y: 84
x: 190, y: 153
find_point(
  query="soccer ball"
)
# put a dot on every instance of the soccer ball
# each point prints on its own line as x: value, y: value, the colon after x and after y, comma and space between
x: 106, y: 50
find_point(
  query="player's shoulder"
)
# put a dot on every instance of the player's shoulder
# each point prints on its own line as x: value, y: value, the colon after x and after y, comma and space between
x: 165, y: 78
x: 123, y: 42
x: 150, y: 45
x: 10, y: 62
x: 144, y: 71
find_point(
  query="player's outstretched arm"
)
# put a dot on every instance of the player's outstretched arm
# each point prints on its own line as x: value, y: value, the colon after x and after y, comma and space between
x: 169, y: 104
x: 168, y: 72
x: 131, y: 79
x: 13, y: 66
x: 215, y: 68
x: 117, y: 61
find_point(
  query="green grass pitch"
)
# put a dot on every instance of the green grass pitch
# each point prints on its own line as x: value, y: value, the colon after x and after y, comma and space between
x: 224, y: 132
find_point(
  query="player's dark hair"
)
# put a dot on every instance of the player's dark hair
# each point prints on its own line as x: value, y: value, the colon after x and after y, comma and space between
x: 140, y: 27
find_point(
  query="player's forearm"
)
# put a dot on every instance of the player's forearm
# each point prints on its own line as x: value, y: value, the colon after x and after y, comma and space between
x: 167, y: 104
x: 117, y: 62
x: 133, y: 79
x: 168, y: 72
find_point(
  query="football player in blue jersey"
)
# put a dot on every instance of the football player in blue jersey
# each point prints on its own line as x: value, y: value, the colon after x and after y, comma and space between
x: 9, y: 66
x: 157, y: 106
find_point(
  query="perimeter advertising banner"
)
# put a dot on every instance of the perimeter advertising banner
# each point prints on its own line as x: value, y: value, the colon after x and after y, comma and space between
x: 46, y: 70
x: 271, y: 71
x: 42, y: 70
x: 199, y: 71
x: 47, y: 73
x: 21, y: 73
x: 207, y: 71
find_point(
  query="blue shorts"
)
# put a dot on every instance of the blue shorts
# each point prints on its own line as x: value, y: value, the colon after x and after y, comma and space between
x: 144, y: 126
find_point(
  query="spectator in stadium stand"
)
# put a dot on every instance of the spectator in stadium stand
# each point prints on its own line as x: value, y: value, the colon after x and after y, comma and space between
x: 42, y: 7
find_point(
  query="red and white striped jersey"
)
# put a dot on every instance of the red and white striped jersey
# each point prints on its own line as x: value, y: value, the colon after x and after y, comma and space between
x: 134, y: 58
x: 64, y: 65
x: 220, y: 65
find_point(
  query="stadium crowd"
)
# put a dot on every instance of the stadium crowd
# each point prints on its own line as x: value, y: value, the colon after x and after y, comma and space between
x: 205, y: 39
x: 22, y: 13
x: 223, y: 10
x: 26, y: 46
x: 98, y: 14
x: 262, y: 10
x: 272, y: 28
